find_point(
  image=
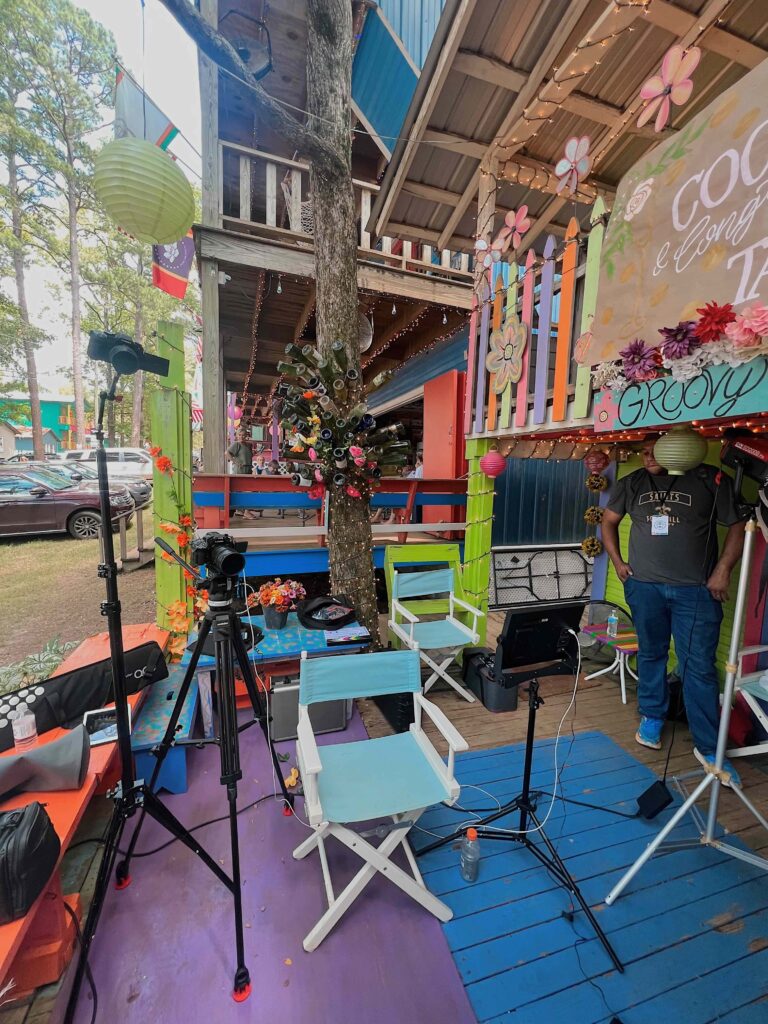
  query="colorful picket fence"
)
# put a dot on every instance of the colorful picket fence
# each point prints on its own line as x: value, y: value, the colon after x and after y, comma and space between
x: 553, y: 294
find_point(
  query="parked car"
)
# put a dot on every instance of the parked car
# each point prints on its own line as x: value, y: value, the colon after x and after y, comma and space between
x: 34, y: 500
x: 123, y: 463
x: 85, y: 472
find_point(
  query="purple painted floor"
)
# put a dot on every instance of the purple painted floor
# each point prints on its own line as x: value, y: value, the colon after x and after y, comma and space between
x: 164, y: 949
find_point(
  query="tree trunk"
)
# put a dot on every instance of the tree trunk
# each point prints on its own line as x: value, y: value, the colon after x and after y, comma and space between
x: 74, y: 291
x: 138, y: 379
x: 329, y: 72
x: 21, y: 298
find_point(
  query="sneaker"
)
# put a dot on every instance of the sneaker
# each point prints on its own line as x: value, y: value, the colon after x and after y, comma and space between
x: 649, y: 733
x: 708, y: 760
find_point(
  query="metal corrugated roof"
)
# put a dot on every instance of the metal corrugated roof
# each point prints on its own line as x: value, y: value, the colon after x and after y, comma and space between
x: 539, y: 501
x: 415, y: 22
x: 450, y: 355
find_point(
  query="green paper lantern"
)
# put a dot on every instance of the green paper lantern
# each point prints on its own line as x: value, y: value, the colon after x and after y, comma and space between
x: 679, y: 450
x: 143, y: 191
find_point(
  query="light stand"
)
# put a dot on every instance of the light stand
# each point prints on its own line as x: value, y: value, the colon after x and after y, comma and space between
x: 525, y: 803
x: 714, y: 775
x: 130, y: 795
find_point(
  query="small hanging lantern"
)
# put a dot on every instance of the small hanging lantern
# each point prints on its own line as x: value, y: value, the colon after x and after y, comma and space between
x: 144, y: 191
x: 679, y: 450
x: 596, y: 461
x: 493, y: 463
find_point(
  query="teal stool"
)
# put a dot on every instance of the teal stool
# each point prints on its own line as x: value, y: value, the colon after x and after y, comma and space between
x: 150, y: 727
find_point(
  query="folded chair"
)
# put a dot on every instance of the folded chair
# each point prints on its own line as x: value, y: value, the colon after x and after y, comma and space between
x: 395, y: 777
x: 447, y: 634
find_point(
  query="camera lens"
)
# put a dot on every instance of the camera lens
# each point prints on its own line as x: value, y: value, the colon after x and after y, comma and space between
x: 226, y: 560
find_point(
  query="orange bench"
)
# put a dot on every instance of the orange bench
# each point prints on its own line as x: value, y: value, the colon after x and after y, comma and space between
x: 35, y: 949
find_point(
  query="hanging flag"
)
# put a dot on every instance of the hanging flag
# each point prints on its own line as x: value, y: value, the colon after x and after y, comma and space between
x: 171, y: 264
x: 137, y: 116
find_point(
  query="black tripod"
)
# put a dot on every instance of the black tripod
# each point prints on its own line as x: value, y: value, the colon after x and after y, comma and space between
x: 132, y: 795
x: 525, y: 803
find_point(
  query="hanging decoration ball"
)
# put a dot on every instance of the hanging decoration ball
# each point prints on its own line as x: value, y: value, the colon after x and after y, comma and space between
x: 679, y: 450
x: 596, y: 461
x: 596, y: 482
x: 493, y: 463
x: 591, y: 547
x: 593, y: 516
x: 144, y: 191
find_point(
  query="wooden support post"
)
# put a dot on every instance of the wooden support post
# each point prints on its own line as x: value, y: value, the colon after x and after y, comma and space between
x: 171, y: 430
x: 209, y: 105
x: 365, y: 213
x: 477, y: 537
x: 214, y: 392
x: 245, y: 187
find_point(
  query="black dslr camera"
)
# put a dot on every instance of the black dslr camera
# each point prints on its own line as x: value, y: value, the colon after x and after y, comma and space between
x: 220, y: 553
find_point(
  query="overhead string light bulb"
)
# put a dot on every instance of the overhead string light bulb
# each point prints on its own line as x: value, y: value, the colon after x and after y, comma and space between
x: 279, y: 288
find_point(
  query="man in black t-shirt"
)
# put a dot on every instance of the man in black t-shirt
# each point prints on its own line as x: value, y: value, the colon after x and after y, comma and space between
x: 675, y: 583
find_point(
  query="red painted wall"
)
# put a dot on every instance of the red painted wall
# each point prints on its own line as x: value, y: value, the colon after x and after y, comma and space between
x: 444, y: 438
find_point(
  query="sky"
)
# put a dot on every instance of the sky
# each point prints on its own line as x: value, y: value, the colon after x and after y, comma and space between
x: 169, y: 70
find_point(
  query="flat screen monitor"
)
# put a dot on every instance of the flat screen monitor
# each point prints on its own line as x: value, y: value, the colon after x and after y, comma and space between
x: 534, y: 636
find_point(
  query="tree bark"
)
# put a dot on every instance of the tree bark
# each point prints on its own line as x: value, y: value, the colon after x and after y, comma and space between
x: 138, y: 379
x: 74, y: 291
x: 21, y: 299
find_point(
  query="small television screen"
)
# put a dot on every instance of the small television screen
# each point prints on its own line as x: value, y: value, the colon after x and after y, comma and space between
x: 533, y: 635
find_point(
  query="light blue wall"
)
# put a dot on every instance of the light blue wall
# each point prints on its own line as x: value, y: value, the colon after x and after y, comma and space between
x: 415, y: 21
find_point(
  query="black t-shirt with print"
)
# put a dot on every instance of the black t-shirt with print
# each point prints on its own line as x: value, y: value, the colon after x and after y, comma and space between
x: 687, y: 554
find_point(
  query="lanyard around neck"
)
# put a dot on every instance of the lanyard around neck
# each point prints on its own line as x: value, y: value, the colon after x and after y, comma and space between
x: 663, y: 500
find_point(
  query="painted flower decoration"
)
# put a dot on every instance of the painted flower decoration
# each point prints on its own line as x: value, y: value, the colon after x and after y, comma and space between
x: 164, y: 465
x: 582, y: 346
x: 514, y: 227
x: 608, y: 377
x: 486, y: 255
x: 640, y: 361
x: 574, y: 166
x: 638, y: 199
x: 756, y: 318
x: 673, y: 84
x: 713, y: 319
x: 505, y: 359
x: 678, y: 342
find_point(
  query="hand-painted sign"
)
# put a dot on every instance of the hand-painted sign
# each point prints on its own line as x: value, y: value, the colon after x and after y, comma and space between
x: 718, y: 391
x: 687, y: 226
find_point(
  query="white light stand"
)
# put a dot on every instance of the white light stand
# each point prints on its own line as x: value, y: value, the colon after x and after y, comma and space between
x: 714, y: 776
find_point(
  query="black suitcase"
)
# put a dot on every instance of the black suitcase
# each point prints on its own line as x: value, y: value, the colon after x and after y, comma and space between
x: 29, y: 852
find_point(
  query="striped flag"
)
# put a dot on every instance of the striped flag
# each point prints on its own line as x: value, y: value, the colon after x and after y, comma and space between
x: 137, y: 116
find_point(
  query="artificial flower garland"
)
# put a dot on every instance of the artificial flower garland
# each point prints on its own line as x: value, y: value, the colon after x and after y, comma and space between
x: 720, y: 335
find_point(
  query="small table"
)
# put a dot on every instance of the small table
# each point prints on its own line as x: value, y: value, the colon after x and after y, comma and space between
x: 278, y: 647
x: 624, y: 645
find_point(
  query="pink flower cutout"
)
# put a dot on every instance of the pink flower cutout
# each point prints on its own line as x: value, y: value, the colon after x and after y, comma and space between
x: 485, y: 254
x: 756, y: 319
x: 741, y: 335
x: 574, y: 166
x: 672, y: 85
x: 514, y: 227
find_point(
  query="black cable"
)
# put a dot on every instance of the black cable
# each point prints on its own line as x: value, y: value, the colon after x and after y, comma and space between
x: 580, y: 940
x: 86, y: 965
x: 583, y: 803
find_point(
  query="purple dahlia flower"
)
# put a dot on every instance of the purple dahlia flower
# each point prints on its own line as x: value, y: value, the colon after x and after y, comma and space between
x: 679, y: 341
x: 639, y: 360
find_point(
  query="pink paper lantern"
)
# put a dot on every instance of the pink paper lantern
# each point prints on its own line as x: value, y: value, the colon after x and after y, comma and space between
x: 596, y: 462
x: 493, y: 463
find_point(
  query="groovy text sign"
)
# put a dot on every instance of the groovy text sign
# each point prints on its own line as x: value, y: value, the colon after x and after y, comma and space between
x: 690, y: 224
x: 718, y: 391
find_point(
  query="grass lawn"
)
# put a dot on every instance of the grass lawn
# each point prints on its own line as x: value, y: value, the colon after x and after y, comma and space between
x: 49, y: 588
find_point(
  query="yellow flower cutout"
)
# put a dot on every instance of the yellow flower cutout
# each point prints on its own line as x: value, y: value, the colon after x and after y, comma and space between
x: 505, y: 358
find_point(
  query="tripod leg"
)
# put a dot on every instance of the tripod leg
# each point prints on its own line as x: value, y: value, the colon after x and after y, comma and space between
x: 124, y: 867
x: 111, y: 843
x: 259, y: 710
x: 242, y: 984
x: 570, y: 883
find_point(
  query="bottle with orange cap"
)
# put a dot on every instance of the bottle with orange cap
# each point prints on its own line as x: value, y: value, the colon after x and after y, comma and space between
x: 469, y: 863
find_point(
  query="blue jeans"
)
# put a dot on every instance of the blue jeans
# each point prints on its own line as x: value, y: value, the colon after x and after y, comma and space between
x: 692, y: 616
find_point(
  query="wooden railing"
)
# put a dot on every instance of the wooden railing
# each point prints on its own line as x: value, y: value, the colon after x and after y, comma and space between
x: 273, y: 193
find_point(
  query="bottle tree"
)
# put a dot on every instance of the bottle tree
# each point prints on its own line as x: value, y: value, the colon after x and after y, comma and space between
x: 326, y: 143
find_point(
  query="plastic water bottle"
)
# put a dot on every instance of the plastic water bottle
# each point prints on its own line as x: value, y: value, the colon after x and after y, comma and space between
x: 613, y: 623
x: 470, y: 856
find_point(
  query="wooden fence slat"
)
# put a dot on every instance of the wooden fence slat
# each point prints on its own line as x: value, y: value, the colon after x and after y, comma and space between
x: 245, y: 188
x: 295, y: 215
x: 565, y: 321
x: 271, y: 191
x: 498, y: 305
x: 471, y: 365
x: 594, y: 246
x: 543, y: 340
x: 505, y: 413
x: 521, y: 399
x: 482, y: 352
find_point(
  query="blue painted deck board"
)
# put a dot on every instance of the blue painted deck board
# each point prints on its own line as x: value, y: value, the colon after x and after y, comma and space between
x: 521, y: 960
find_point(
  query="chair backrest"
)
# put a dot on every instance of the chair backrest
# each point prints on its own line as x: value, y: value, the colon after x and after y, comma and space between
x: 421, y: 584
x: 344, y: 676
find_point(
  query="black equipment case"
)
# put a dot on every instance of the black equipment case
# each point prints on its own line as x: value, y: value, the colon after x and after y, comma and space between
x: 29, y: 852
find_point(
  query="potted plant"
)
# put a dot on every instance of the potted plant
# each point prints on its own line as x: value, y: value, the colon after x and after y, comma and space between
x: 277, y: 598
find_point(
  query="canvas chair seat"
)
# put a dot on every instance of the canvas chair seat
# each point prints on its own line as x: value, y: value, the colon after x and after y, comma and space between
x: 376, y: 778
x: 438, y: 633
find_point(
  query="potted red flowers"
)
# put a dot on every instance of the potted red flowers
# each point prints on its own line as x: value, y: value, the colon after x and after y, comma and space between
x: 277, y: 598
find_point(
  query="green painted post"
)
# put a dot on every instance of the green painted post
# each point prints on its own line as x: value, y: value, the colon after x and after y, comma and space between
x: 171, y: 431
x: 583, y: 391
x: 477, y: 538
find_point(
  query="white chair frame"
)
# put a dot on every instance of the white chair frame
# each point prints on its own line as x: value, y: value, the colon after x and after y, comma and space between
x: 439, y: 671
x: 376, y: 859
x: 752, y: 703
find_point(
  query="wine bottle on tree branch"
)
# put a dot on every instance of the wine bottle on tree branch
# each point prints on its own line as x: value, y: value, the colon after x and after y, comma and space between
x: 326, y: 142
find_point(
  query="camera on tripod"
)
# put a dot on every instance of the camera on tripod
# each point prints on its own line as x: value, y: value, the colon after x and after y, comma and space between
x: 125, y: 355
x: 220, y: 553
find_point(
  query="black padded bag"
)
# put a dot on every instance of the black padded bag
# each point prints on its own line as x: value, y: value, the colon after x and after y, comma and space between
x: 63, y: 700
x: 29, y: 852
x: 326, y: 612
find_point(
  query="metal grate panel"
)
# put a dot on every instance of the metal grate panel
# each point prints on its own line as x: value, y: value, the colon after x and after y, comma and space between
x: 528, y: 574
